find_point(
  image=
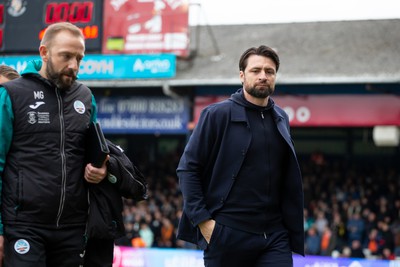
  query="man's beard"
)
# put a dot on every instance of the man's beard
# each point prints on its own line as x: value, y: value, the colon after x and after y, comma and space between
x: 57, y: 77
x: 259, y: 93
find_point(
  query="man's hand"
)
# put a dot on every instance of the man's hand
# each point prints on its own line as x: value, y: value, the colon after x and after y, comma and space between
x: 206, y: 229
x: 95, y: 175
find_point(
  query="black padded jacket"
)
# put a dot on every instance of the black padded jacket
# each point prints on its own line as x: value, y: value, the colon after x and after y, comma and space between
x: 43, y: 182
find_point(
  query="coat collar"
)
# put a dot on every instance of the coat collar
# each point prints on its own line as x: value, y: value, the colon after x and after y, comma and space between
x: 238, y: 113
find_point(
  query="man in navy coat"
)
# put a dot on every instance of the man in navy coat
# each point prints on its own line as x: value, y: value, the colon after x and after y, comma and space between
x: 240, y: 178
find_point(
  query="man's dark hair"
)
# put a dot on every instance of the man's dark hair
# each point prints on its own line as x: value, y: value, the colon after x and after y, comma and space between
x: 262, y: 50
x: 8, y: 72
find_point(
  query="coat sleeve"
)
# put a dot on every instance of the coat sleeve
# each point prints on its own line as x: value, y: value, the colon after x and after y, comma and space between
x: 6, y: 132
x: 191, y: 168
x: 93, y: 117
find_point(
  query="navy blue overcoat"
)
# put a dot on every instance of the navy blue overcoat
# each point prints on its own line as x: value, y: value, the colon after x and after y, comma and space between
x: 213, y: 158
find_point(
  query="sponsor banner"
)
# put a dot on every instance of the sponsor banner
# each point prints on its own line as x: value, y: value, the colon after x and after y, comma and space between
x: 329, y: 110
x: 146, y: 115
x: 109, y: 67
x: 162, y: 257
x: 137, y: 257
x: 146, y: 26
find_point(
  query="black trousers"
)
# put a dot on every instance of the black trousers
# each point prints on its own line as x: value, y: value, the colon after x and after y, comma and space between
x: 234, y: 248
x: 99, y: 253
x: 29, y: 246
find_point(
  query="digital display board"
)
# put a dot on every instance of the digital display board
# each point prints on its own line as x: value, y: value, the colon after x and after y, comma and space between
x: 23, y: 22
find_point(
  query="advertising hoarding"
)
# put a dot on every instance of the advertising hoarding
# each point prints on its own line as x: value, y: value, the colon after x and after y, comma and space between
x: 146, y: 26
x: 110, y: 67
x: 329, y: 110
x: 159, y: 257
x: 143, y: 115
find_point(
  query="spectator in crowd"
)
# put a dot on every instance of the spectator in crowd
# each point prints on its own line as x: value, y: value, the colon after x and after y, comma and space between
x: 126, y: 240
x: 355, y: 228
x: 146, y: 234
x: 387, y: 254
x: 370, y: 219
x: 137, y: 241
x: 339, y: 230
x: 321, y: 222
x: 373, y: 242
x: 155, y: 226
x: 167, y: 234
x: 308, y: 220
x: 313, y: 242
x: 346, y: 252
x: 356, y: 249
x: 383, y: 213
x: 387, y: 238
x: 327, y: 241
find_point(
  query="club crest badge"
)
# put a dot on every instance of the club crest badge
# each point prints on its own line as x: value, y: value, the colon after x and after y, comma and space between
x: 17, y: 7
x: 79, y: 107
x: 21, y: 246
x: 32, y: 117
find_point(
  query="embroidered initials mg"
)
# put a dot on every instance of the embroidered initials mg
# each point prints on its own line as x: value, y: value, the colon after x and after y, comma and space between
x: 38, y: 94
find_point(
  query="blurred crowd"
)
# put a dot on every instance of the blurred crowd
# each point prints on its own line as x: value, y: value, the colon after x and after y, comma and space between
x: 351, y: 210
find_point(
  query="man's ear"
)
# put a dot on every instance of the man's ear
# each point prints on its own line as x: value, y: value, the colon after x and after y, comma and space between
x: 241, y: 76
x: 44, y: 52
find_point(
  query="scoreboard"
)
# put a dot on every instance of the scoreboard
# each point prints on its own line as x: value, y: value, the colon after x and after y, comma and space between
x: 23, y: 22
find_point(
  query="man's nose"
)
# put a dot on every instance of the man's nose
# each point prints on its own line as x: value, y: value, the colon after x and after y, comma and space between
x: 263, y: 75
x: 73, y: 64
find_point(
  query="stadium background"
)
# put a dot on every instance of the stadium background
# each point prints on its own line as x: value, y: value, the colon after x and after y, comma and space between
x: 338, y: 81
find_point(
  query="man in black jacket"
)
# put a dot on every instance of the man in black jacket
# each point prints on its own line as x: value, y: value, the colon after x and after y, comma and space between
x: 44, y: 116
x: 239, y: 175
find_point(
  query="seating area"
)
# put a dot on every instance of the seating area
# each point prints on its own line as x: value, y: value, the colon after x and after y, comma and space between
x: 351, y: 210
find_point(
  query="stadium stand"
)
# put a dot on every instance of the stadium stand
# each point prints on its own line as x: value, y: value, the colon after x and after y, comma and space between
x: 351, y: 210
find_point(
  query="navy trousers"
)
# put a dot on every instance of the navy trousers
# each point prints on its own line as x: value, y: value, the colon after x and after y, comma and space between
x: 234, y: 248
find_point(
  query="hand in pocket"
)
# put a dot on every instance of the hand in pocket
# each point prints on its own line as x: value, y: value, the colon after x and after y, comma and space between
x: 206, y: 229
